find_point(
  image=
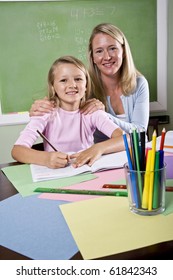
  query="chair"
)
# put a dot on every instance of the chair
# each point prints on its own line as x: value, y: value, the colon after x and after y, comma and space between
x: 38, y: 147
x: 153, y: 123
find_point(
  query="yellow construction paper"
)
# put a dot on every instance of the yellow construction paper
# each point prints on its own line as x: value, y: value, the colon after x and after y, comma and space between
x: 105, y: 226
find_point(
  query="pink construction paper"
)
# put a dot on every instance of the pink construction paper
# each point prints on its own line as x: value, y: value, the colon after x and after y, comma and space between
x: 104, y: 177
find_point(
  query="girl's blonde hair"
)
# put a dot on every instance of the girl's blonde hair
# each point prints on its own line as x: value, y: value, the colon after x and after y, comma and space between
x: 51, y: 77
x: 128, y: 71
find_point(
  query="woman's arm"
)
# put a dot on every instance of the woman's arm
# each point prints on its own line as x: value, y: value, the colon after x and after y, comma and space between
x: 136, y: 108
x: 49, y: 159
x: 41, y: 107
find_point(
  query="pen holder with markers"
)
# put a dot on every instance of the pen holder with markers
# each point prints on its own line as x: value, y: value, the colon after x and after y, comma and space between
x: 146, y: 190
x: 145, y: 174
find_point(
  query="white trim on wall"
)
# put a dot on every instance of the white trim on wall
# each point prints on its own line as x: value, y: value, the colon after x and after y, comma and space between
x: 161, y: 103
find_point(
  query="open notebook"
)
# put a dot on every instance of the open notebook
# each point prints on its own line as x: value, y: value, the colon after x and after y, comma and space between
x: 106, y: 162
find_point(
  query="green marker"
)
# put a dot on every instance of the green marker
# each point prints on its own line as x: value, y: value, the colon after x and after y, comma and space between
x: 86, y: 192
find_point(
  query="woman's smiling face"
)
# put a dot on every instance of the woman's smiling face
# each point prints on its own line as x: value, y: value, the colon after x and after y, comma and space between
x: 107, y: 54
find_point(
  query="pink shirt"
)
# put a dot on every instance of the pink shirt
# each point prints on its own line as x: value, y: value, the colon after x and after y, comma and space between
x: 67, y: 131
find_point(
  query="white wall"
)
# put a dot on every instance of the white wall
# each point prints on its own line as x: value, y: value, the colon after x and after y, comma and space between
x: 8, y: 135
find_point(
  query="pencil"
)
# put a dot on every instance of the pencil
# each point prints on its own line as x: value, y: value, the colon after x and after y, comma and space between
x: 169, y: 189
x: 156, y: 183
x: 113, y: 186
x: 85, y: 192
x: 142, y: 150
x: 132, y: 175
x: 153, y: 151
x: 162, y: 138
x: 136, y: 146
x: 44, y: 137
x: 132, y: 149
x: 127, y: 151
x: 146, y: 182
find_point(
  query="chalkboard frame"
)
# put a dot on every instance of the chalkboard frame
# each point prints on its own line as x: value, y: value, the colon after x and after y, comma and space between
x: 161, y: 103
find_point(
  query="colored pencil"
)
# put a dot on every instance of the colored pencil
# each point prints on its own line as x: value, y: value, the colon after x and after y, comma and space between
x: 132, y: 150
x: 153, y: 151
x: 127, y: 151
x: 157, y: 182
x: 162, y: 138
x: 146, y: 182
x: 132, y: 175
x: 136, y: 146
x: 142, y: 150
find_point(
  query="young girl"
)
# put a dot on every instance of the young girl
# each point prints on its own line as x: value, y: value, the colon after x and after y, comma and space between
x: 66, y: 128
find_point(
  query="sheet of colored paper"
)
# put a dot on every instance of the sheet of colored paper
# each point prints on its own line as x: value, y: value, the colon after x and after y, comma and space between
x: 20, y: 177
x: 35, y: 228
x: 103, y: 177
x: 108, y: 227
x: 169, y: 163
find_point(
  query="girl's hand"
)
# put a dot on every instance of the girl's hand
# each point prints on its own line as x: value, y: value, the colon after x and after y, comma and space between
x: 91, y: 106
x: 89, y: 156
x: 57, y: 160
x: 41, y: 107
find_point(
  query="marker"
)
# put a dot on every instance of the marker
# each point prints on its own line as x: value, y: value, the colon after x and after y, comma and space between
x: 44, y: 137
x: 75, y: 191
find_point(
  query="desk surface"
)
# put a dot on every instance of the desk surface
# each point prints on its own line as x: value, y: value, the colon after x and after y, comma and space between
x: 156, y: 252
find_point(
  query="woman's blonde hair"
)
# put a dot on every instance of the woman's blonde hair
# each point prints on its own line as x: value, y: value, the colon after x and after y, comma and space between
x: 128, y: 71
x: 51, y: 77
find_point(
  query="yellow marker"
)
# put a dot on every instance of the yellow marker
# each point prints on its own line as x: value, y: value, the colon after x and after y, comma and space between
x: 146, y: 182
x: 153, y: 152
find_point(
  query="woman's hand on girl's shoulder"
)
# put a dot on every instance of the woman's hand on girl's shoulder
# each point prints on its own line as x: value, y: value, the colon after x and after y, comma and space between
x: 91, y: 106
x: 41, y: 107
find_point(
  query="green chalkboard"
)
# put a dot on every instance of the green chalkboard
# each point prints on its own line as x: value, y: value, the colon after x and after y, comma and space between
x: 34, y: 34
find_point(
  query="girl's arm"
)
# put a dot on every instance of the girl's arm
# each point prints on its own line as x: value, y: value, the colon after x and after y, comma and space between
x: 28, y: 155
x: 90, y: 155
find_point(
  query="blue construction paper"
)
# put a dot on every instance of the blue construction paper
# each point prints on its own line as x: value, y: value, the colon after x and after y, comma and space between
x: 35, y: 228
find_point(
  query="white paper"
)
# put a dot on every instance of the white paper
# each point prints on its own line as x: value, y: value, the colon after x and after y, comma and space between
x: 106, y: 162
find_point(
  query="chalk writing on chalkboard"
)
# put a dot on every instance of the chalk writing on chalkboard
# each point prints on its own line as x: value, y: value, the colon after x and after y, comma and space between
x: 78, y: 13
x: 81, y: 39
x: 48, y: 30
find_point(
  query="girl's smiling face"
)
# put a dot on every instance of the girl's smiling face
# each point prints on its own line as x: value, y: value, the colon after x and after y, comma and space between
x: 69, y: 85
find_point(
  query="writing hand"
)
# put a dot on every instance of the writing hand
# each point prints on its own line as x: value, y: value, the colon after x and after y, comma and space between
x: 56, y: 160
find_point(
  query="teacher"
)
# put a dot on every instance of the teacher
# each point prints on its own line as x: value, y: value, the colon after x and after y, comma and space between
x: 117, y: 86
